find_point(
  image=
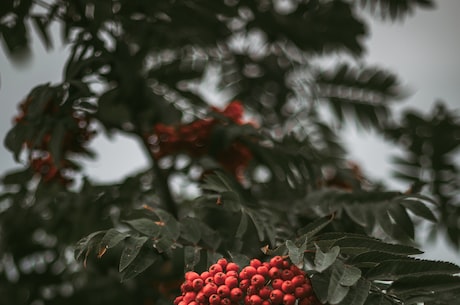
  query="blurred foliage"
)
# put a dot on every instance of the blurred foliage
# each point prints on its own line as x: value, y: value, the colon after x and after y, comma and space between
x: 151, y: 69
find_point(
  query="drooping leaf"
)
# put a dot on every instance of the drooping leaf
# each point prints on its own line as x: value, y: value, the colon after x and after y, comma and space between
x: 132, y: 248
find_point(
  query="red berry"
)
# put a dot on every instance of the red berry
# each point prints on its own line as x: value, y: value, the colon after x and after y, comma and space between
x: 264, y: 292
x: 223, y: 262
x: 236, y: 294
x: 225, y: 301
x: 186, y: 286
x: 189, y: 296
x: 277, y: 283
x: 287, y: 274
x: 232, y: 267
x: 298, y: 280
x: 255, y: 300
x: 215, y: 268
x: 178, y: 299
x: 300, y: 292
x: 287, y: 287
x: 232, y: 273
x: 193, y: 303
x: 219, y: 278
x: 276, y: 261
x: 248, y: 272
x: 190, y: 276
x: 257, y: 280
x: 276, y: 296
x: 274, y: 272
x: 305, y: 301
x: 201, y: 297
x: 266, y: 302
x: 252, y: 290
x: 209, y: 289
x: 214, y: 299
x: 231, y: 282
x: 262, y: 270
x: 182, y: 303
x: 288, y: 299
x: 255, y: 263
x: 209, y: 280
x: 204, y: 275
x: 197, y: 284
x: 285, y: 264
x: 296, y: 270
x: 223, y: 291
x: 244, y: 284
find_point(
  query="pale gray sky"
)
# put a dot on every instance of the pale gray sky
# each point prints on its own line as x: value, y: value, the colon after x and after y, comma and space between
x: 424, y: 51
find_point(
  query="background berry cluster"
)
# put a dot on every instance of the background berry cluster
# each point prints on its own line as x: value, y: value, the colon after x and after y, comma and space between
x: 40, y: 120
x: 195, y: 139
x: 260, y: 283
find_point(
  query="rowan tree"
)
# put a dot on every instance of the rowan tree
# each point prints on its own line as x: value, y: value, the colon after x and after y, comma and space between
x: 279, y: 215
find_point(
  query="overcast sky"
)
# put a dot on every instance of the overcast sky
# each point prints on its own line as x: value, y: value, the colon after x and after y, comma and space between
x: 423, y: 50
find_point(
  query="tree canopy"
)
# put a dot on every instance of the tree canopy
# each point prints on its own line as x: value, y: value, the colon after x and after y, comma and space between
x: 271, y: 174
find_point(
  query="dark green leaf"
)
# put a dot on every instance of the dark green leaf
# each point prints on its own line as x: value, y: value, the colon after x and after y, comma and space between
x: 324, y: 260
x: 132, y: 248
x: 142, y: 261
x: 145, y: 226
x: 191, y: 256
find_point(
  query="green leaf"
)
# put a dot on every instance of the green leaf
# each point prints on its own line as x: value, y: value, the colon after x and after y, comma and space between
x: 141, y: 262
x: 145, y: 226
x: 314, y: 227
x: 427, y: 283
x: 190, y: 229
x: 258, y: 221
x: 324, y: 260
x: 85, y: 244
x: 191, y: 257
x: 111, y: 238
x: 336, y: 291
x: 133, y: 247
x: 395, y: 269
x: 15, y: 138
x: 419, y: 209
x: 41, y: 26
x: 242, y: 226
x: 350, y: 275
x: 239, y: 259
x: 357, y: 294
x: 296, y: 254
x: 169, y: 226
x: 17, y: 177
x: 401, y: 219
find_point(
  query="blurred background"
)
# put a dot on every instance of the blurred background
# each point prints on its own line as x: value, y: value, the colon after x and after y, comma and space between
x: 424, y: 53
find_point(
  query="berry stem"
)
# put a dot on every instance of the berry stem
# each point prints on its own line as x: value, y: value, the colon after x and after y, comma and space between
x: 162, y: 179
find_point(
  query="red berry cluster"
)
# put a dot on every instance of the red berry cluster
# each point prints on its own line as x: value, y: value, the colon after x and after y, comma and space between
x: 194, y: 139
x: 78, y: 133
x: 261, y: 283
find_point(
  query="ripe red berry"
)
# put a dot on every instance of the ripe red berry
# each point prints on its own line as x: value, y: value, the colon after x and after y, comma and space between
x: 209, y: 280
x: 266, y: 302
x: 298, y: 280
x: 214, y: 299
x: 305, y: 301
x: 255, y: 263
x: 252, y: 290
x: 223, y: 262
x: 232, y: 273
x: 201, y: 297
x: 244, y: 284
x: 248, y: 272
x: 257, y: 280
x: 289, y: 299
x: 276, y: 261
x: 274, y: 273
x: 204, y: 275
x: 287, y: 274
x: 189, y: 296
x: 276, y: 296
x: 287, y: 287
x: 197, y: 284
x: 277, y: 283
x: 300, y: 292
x: 264, y: 292
x: 192, y: 303
x: 186, y: 286
x: 191, y: 275
x: 232, y: 267
x: 262, y: 270
x: 178, y: 299
x: 255, y: 300
x: 225, y: 301
x: 231, y: 282
x: 219, y: 278
x: 236, y: 294
x: 209, y: 289
x: 223, y: 291
x: 215, y: 268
